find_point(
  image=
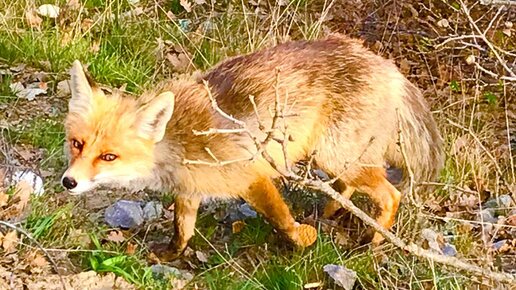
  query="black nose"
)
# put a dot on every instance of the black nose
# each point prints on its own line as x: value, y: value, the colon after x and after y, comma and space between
x: 69, y: 183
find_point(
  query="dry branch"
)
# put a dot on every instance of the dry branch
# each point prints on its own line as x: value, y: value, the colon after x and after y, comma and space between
x: 465, y: 9
x: 325, y: 187
x: 50, y: 259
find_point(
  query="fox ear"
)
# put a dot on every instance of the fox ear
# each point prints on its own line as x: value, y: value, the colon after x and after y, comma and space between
x: 154, y: 116
x: 82, y: 89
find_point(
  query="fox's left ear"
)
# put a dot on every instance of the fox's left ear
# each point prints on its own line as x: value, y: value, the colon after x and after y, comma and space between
x: 152, y: 118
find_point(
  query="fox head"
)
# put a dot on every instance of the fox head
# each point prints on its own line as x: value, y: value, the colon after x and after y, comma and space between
x: 110, y: 139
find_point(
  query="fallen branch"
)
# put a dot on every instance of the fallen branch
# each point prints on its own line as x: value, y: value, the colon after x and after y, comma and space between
x: 411, y: 248
x: 50, y: 259
x: 482, y: 35
x: 325, y: 187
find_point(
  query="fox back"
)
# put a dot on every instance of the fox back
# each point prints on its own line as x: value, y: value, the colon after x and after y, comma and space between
x: 342, y: 101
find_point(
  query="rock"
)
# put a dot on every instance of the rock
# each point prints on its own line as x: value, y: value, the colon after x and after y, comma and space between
x: 34, y: 180
x: 503, y: 201
x: 449, y: 250
x: 124, y: 214
x: 498, y: 245
x: 487, y: 216
x: 342, y: 276
x: 246, y: 210
x: 163, y: 270
x: 152, y: 210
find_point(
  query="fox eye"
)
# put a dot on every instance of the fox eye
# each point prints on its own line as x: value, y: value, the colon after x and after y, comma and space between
x: 108, y: 157
x: 76, y: 144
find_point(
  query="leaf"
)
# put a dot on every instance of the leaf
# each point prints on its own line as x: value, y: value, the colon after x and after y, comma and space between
x: 111, y: 262
x: 186, y: 5
x: 405, y: 66
x: 342, y: 276
x: 21, y: 197
x: 28, y: 93
x: 201, y: 256
x: 48, y: 10
x: 433, y: 239
x: 73, y: 5
x: 130, y: 249
x: 470, y: 59
x: 180, y: 61
x: 490, y: 98
x: 443, y: 22
x: 116, y: 236
x: 3, y: 199
x: 32, y: 19
x: 9, y: 241
x: 237, y: 226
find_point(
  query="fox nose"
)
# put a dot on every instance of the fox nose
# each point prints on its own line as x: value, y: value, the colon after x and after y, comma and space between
x: 69, y: 183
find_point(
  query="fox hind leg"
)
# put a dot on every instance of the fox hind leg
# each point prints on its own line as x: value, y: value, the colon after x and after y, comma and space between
x: 266, y: 199
x: 331, y: 208
x: 374, y: 183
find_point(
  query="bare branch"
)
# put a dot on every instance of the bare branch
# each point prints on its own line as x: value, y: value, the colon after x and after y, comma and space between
x: 498, y: 2
x: 327, y: 188
x: 482, y: 35
x: 33, y: 240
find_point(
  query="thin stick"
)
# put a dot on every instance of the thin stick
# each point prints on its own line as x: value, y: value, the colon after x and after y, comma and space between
x: 482, y: 35
x: 25, y: 233
x: 497, y: 166
x: 347, y: 204
x: 401, y: 143
x: 411, y: 248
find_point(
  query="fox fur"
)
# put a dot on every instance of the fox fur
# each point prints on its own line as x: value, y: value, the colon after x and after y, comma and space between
x: 345, y: 103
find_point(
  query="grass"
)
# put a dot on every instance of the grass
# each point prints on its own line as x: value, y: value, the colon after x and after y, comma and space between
x: 134, y: 51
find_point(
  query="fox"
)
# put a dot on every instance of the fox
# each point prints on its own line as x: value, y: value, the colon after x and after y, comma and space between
x: 347, y: 108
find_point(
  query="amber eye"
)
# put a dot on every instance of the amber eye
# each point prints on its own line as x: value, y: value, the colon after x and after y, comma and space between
x: 76, y: 144
x: 108, y: 157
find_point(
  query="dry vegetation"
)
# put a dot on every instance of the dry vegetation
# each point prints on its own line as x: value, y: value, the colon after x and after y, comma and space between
x: 461, y: 54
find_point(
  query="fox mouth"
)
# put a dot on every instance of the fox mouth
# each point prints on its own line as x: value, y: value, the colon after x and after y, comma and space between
x: 77, y: 187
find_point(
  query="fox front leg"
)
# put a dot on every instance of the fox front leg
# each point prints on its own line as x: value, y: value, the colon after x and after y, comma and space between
x: 185, y: 215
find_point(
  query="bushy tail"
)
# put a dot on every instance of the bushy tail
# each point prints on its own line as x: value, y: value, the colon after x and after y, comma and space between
x: 422, y: 141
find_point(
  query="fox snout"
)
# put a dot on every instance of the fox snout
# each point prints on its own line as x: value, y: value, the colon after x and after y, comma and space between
x: 69, y: 182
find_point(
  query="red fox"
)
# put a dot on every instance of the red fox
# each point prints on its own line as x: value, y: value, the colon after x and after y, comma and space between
x: 346, y: 103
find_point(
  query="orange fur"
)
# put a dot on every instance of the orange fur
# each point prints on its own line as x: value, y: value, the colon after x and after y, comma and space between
x: 345, y: 102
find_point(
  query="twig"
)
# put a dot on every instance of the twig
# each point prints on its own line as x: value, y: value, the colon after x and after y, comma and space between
x: 449, y: 185
x: 411, y: 248
x: 475, y: 137
x: 498, y: 2
x: 401, y: 143
x: 482, y: 35
x: 348, y: 205
x: 25, y: 233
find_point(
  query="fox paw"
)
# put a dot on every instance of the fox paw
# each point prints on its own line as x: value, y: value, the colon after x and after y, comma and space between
x: 377, y: 239
x: 305, y: 235
x: 161, y: 253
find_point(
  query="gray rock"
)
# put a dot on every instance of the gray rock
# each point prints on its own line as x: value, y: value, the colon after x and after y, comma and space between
x: 503, y: 201
x: 498, y: 245
x: 341, y: 275
x: 124, y: 214
x: 152, y: 210
x: 163, y: 270
x: 246, y: 210
x: 449, y: 250
x: 487, y: 216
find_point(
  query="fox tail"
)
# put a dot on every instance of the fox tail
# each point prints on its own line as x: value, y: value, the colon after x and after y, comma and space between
x: 420, y: 139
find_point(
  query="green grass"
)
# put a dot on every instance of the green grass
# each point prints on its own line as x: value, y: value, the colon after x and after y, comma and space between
x: 130, y: 267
